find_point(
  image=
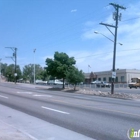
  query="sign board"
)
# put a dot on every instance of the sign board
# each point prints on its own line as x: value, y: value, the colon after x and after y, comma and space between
x: 113, y: 74
x: 15, y: 74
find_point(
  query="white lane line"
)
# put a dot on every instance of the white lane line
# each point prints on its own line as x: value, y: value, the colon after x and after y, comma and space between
x: 24, y: 92
x: 4, y: 97
x: 36, y: 95
x: 55, y: 110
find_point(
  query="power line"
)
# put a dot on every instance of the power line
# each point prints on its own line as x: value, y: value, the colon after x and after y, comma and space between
x: 77, y: 21
x: 95, y: 54
x: 131, y: 19
x: 107, y: 53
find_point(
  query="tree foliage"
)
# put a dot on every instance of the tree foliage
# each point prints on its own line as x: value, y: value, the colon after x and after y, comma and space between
x: 28, y: 72
x: 58, y: 66
x: 3, y: 69
x: 10, y: 71
x: 74, y: 76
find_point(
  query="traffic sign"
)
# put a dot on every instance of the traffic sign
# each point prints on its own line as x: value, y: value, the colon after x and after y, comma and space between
x: 113, y: 74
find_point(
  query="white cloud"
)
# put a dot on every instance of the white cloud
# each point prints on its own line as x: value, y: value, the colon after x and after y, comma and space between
x: 74, y: 10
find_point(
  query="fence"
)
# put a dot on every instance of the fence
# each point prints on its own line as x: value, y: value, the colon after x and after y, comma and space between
x: 116, y: 85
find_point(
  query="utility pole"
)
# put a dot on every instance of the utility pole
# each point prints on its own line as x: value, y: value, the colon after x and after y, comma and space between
x: 34, y: 65
x: 14, y: 58
x: 116, y: 17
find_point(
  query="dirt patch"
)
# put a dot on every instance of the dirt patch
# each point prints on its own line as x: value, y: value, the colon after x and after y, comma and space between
x: 98, y: 93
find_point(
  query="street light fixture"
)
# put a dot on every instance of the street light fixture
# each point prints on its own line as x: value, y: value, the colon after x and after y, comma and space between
x: 34, y: 64
x: 114, y: 55
x: 116, y: 17
x: 96, y: 32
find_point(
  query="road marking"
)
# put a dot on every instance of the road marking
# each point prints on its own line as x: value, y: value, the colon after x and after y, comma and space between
x: 98, y: 108
x: 24, y: 92
x: 36, y: 95
x: 55, y: 110
x: 4, y: 97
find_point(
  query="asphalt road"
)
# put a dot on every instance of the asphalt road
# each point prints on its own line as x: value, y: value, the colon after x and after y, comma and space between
x: 100, y: 118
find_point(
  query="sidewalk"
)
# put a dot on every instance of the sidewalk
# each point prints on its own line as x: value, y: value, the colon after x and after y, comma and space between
x: 7, y: 132
x: 16, y: 125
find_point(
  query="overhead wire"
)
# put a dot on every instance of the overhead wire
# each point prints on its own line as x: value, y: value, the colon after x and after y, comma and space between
x: 95, y: 55
x: 63, y: 30
x: 107, y: 53
x: 75, y: 24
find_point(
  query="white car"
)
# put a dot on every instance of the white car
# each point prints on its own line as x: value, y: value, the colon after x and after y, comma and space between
x: 55, y: 82
x: 96, y: 82
x: 40, y: 82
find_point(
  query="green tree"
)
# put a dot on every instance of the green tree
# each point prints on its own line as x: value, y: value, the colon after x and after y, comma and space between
x: 28, y: 72
x: 10, y: 71
x: 3, y: 69
x: 58, y: 66
x: 39, y: 72
x: 44, y: 76
x: 74, y: 76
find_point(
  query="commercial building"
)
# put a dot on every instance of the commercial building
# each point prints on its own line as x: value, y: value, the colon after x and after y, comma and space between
x: 122, y: 75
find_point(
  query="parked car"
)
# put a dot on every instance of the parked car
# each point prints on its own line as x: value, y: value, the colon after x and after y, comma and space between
x: 103, y: 84
x: 96, y: 82
x: 41, y: 82
x: 55, y: 82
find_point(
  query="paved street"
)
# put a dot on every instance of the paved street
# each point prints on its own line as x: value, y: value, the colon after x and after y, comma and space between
x: 99, y: 118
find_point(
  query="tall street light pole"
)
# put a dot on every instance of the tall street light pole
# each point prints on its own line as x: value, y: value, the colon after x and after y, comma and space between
x: 34, y: 64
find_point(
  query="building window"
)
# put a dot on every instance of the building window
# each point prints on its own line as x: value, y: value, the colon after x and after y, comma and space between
x: 122, y: 79
x: 116, y: 80
x: 94, y: 79
x: 99, y: 79
x: 104, y: 79
x: 110, y: 79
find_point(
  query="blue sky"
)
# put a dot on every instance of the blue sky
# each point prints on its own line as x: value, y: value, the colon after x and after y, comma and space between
x: 68, y: 26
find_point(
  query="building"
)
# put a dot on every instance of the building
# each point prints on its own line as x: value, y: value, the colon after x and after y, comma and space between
x: 122, y: 75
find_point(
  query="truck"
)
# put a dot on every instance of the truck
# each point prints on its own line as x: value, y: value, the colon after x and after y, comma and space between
x: 135, y: 83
